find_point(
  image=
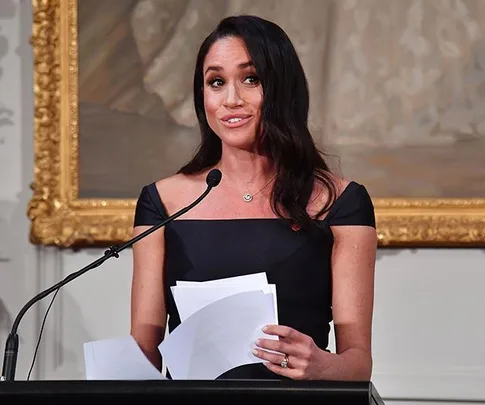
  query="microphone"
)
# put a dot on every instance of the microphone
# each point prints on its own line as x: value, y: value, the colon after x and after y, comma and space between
x: 11, y: 346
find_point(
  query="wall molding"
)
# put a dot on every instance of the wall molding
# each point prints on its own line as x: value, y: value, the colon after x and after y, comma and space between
x: 432, y: 384
x: 50, y: 271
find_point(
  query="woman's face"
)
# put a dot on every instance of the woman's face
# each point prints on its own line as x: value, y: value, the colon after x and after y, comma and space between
x: 233, y: 94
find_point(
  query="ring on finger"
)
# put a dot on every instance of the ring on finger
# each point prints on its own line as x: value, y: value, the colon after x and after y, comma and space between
x: 284, y: 362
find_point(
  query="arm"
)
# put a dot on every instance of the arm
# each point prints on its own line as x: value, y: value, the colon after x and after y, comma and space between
x: 353, y: 264
x: 148, y: 309
x: 353, y: 260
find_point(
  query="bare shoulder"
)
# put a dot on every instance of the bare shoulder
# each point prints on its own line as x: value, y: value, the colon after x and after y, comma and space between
x: 172, y: 184
x: 340, y: 183
x: 179, y: 190
x: 321, y: 195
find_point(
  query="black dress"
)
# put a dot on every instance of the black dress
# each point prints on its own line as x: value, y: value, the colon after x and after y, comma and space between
x: 296, y: 262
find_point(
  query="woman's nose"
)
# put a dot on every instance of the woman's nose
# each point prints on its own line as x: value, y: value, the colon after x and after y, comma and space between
x: 233, y: 98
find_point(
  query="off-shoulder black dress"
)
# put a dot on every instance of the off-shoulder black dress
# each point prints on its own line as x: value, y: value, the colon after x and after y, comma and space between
x: 297, y: 262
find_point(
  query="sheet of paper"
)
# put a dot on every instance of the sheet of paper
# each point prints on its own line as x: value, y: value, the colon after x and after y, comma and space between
x: 218, y: 337
x: 118, y: 359
x: 253, y: 280
x: 191, y: 298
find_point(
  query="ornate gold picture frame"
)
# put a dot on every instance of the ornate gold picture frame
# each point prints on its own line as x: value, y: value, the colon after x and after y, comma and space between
x: 61, y: 218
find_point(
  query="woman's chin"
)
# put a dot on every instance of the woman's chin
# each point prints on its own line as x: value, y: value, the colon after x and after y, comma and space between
x: 234, y: 141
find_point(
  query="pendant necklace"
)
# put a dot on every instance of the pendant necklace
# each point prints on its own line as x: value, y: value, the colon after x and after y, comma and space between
x: 248, y: 197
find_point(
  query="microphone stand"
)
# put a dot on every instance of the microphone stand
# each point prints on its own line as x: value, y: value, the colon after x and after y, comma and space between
x: 12, y: 344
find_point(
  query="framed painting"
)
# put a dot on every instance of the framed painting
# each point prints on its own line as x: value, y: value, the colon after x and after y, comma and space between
x: 397, y: 108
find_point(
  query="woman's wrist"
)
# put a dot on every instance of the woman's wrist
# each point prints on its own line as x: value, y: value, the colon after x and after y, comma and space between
x: 352, y: 365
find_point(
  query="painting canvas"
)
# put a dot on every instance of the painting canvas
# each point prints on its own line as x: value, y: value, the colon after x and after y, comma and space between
x: 397, y: 103
x: 397, y: 90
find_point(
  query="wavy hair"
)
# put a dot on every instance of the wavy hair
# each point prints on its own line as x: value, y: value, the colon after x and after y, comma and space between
x: 285, y: 138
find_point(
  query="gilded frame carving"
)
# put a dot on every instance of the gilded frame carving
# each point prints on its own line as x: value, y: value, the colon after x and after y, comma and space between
x: 59, y: 217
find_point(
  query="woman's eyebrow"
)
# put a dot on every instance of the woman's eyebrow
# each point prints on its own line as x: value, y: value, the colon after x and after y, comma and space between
x: 218, y: 68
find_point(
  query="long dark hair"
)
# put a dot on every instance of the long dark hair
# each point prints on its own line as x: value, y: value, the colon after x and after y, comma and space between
x: 285, y: 138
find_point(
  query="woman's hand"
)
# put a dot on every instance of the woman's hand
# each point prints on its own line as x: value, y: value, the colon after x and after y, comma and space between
x: 304, y: 359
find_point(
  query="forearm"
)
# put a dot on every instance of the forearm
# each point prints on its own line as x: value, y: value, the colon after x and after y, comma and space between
x: 352, y: 365
x: 154, y: 357
x: 148, y: 338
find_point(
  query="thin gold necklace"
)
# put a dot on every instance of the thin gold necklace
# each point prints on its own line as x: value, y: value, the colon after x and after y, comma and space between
x: 248, y: 197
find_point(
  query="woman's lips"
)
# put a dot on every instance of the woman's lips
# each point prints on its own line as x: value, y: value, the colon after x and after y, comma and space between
x: 235, y: 120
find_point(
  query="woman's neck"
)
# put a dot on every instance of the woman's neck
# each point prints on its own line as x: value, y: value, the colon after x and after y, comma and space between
x: 245, y: 169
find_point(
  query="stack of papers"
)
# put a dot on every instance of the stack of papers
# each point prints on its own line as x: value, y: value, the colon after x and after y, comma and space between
x: 220, y: 322
x: 192, y: 296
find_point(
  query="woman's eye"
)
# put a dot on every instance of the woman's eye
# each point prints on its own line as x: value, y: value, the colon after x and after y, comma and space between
x: 216, y: 82
x: 251, y: 80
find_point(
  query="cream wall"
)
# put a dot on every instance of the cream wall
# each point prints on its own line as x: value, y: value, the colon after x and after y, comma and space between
x: 428, y: 333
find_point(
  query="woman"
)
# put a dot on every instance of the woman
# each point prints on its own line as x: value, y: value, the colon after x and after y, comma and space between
x: 278, y: 209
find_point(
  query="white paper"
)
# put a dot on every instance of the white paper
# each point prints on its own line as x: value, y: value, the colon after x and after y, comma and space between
x: 253, y: 280
x: 218, y: 337
x: 190, y: 298
x: 118, y: 359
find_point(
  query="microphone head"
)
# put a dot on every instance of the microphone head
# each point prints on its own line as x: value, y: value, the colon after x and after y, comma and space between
x: 213, y: 178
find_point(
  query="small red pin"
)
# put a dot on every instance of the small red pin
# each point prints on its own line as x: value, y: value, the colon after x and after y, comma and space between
x: 295, y: 227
